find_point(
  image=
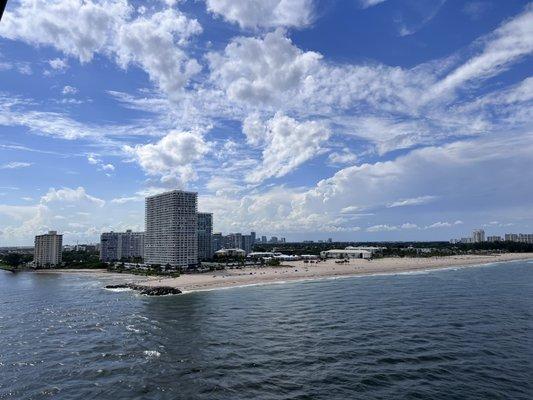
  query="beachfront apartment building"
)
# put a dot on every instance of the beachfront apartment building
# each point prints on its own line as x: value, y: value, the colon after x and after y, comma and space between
x: 48, y: 250
x: 171, y: 236
x: 478, y: 236
x: 205, y: 235
x: 116, y: 246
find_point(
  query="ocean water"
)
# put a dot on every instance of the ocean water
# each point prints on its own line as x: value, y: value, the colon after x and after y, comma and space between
x: 452, y: 334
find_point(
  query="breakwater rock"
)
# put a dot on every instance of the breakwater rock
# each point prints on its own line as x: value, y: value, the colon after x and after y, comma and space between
x: 147, y: 290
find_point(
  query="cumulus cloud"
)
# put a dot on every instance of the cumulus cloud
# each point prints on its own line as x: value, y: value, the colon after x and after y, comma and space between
x: 78, y: 215
x: 93, y: 159
x: 172, y: 157
x: 84, y: 28
x: 152, y: 43
x: 68, y: 195
x: 77, y: 28
x: 264, y: 13
x: 289, y: 143
x: 256, y: 70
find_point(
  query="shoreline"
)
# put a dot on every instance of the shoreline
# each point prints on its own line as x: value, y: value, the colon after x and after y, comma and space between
x: 296, y: 271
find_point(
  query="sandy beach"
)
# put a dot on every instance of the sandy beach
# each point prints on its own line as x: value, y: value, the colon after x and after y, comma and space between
x: 297, y: 271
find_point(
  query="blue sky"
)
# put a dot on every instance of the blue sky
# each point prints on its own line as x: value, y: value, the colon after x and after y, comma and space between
x: 350, y: 119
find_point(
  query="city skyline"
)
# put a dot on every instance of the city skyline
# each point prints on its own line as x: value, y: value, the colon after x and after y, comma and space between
x: 357, y: 121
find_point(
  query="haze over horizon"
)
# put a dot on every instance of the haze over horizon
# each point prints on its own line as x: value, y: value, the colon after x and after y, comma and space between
x: 359, y: 120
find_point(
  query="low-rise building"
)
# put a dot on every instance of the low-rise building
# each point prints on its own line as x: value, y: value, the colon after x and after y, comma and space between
x: 232, y: 253
x: 346, y: 253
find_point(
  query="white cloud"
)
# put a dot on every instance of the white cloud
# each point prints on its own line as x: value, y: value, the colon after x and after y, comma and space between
x: 69, y: 90
x: 84, y: 28
x: 75, y: 27
x: 382, y: 228
x: 507, y: 44
x: 346, y: 156
x: 412, y: 202
x: 153, y: 43
x: 370, y: 3
x: 15, y: 165
x: 68, y: 195
x: 172, y: 157
x: 289, y: 143
x: 58, y: 64
x: 73, y: 212
x: 441, y: 224
x: 264, y: 13
x: 101, y: 166
x: 408, y: 225
x: 256, y: 70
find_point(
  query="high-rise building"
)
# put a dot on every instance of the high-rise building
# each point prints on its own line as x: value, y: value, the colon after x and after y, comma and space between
x: 116, y: 246
x: 478, y: 236
x: 232, y: 241
x: 494, y: 239
x: 48, y: 250
x: 274, y: 239
x: 172, y: 229
x: 264, y: 239
x: 525, y: 237
x: 217, y: 241
x: 248, y: 242
x: 205, y: 233
x: 511, y: 237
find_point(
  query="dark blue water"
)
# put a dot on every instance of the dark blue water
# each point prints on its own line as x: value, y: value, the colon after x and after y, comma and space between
x: 455, y: 334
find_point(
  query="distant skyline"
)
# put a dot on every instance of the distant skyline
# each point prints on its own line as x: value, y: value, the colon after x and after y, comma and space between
x: 358, y: 120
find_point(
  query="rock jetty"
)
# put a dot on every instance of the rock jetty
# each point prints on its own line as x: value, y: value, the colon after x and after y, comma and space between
x: 147, y: 290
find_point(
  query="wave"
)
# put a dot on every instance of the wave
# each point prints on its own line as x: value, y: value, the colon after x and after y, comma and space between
x: 152, y: 354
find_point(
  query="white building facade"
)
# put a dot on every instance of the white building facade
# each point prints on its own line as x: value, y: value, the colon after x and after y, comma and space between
x: 48, y: 250
x: 171, y: 236
x: 478, y: 236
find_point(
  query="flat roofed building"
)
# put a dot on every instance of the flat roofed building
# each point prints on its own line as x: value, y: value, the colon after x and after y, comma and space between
x: 205, y: 235
x: 115, y: 246
x: 345, y: 253
x: 478, y: 236
x: 48, y: 250
x: 172, y: 229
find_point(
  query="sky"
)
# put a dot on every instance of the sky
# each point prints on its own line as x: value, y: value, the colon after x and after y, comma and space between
x: 357, y: 120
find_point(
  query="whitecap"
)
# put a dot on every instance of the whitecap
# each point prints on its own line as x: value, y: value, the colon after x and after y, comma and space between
x: 118, y: 289
x: 131, y: 328
x: 151, y: 354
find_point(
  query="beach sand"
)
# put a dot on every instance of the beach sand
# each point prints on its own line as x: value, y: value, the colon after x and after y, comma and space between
x: 297, y: 271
